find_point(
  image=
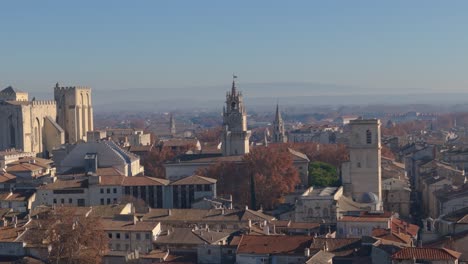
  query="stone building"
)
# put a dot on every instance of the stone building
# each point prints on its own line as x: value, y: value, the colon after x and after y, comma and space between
x: 41, y: 126
x: 362, y: 174
x: 279, y: 134
x: 74, y: 111
x: 235, y: 137
x: 28, y: 125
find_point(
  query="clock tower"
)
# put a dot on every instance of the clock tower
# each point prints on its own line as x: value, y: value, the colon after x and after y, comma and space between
x: 235, y: 134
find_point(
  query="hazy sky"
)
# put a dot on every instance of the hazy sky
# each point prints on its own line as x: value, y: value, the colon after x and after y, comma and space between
x: 143, y: 44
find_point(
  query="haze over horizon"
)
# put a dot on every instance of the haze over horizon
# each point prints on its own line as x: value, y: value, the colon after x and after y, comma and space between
x: 308, y: 48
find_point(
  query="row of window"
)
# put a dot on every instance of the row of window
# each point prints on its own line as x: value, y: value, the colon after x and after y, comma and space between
x: 80, y: 202
x: 108, y: 190
x: 114, y: 201
x: 127, y: 236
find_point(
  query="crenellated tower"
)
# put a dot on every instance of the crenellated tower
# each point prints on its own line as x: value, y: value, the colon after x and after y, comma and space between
x: 74, y: 111
x: 279, y: 134
x: 235, y: 138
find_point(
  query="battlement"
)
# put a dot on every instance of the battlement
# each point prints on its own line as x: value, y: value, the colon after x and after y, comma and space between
x: 71, y: 88
x: 44, y: 102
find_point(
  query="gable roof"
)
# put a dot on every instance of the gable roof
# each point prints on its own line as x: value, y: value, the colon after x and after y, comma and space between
x: 144, y: 181
x: 274, y: 244
x: 194, y: 179
x: 426, y: 254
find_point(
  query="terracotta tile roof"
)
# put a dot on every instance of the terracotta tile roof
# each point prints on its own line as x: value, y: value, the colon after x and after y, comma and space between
x: 194, y: 179
x: 107, y: 211
x: 426, y: 254
x: 274, y: 244
x: 387, y: 234
x: 16, y: 195
x: 65, y: 184
x: 367, y: 217
x: 111, y: 180
x: 7, y: 177
x: 144, y: 181
x: 114, y: 225
x: 24, y: 167
x: 404, y: 227
x: 10, y: 233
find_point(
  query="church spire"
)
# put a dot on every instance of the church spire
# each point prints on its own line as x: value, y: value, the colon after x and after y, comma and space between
x: 233, y: 89
x: 172, y: 125
x: 278, y: 117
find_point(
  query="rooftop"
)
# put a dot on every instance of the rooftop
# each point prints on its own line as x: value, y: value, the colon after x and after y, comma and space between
x: 426, y: 254
x: 274, y: 244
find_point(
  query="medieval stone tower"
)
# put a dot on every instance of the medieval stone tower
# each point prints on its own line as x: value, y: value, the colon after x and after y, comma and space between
x: 235, y: 138
x: 362, y: 176
x: 28, y: 125
x: 279, y: 135
x: 74, y: 111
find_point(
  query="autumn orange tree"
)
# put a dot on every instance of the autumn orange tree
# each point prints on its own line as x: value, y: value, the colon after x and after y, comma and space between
x: 262, y: 179
x: 73, y: 238
x: 272, y: 175
x: 154, y: 161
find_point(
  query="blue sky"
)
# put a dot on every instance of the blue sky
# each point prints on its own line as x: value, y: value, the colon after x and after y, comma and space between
x: 169, y: 44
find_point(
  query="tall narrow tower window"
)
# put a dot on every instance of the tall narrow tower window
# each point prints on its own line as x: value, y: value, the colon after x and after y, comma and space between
x: 368, y: 137
x: 233, y: 105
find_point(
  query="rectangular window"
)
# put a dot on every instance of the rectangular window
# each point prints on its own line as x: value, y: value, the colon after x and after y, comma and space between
x: 55, y: 201
x: 62, y: 201
x: 199, y: 187
x: 206, y: 187
x: 115, y: 200
x: 117, y: 235
x: 102, y: 190
x: 127, y: 236
x: 108, y: 201
x: 138, y: 236
x: 102, y: 201
x: 110, y: 235
x: 114, y: 190
x: 147, y: 236
x: 108, y: 190
x: 127, y: 190
x: 70, y: 200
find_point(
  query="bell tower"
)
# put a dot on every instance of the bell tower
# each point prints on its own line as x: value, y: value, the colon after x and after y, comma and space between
x: 235, y: 138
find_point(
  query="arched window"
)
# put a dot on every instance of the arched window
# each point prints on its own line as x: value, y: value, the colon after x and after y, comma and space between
x: 233, y: 105
x: 368, y: 137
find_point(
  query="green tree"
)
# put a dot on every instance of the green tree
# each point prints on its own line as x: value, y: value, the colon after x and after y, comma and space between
x: 323, y: 174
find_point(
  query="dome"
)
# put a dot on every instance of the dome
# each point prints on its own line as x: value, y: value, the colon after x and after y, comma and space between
x: 368, y: 197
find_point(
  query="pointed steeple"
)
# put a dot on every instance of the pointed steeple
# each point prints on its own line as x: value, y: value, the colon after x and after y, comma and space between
x: 233, y: 89
x: 278, y: 117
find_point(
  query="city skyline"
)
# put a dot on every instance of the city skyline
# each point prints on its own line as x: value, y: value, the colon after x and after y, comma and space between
x: 376, y: 47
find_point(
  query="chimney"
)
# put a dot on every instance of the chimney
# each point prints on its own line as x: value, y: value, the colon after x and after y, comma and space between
x: 306, y: 252
x: 169, y: 212
x: 250, y: 223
